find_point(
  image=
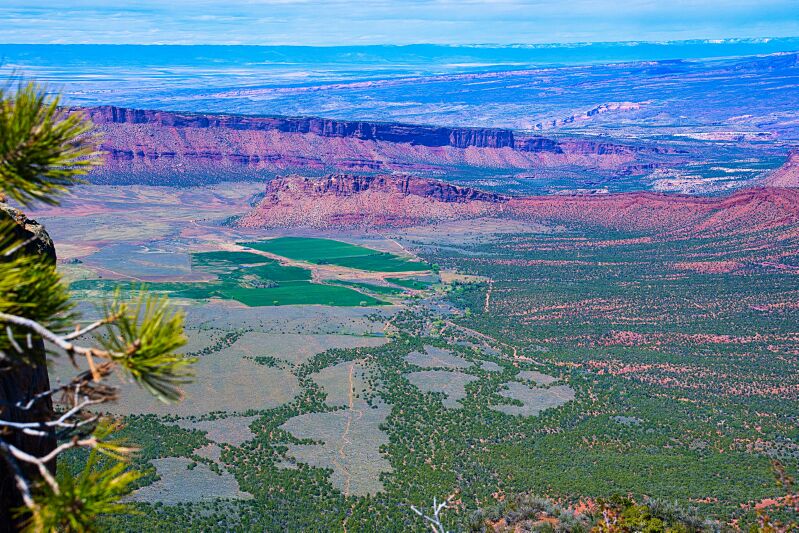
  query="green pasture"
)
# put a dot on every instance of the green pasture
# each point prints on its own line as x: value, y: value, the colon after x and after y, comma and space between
x: 377, y: 289
x: 248, y: 278
x: 410, y: 283
x: 331, y: 252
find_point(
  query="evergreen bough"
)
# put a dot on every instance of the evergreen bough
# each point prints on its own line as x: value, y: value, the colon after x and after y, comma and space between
x: 43, y: 152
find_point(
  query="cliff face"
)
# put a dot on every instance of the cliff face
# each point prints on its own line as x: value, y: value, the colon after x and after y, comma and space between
x: 365, y: 131
x: 379, y: 201
x: 348, y: 185
x: 747, y: 211
x: 18, y: 382
x: 366, y: 201
x: 171, y: 148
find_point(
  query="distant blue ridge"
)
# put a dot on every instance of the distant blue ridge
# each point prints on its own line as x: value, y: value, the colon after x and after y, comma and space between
x: 429, y: 58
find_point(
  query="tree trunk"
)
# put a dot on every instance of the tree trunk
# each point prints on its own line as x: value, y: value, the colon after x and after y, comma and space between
x: 18, y: 382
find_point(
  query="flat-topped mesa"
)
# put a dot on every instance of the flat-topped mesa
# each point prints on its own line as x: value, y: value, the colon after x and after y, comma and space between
x: 401, y: 200
x: 349, y: 185
x: 415, y: 134
x: 431, y: 136
x: 367, y: 201
x: 167, y: 148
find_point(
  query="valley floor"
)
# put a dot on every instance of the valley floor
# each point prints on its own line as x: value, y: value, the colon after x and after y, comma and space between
x: 524, y: 357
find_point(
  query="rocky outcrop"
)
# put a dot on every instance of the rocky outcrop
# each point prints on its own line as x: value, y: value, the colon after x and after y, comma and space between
x: 595, y: 111
x: 367, y: 201
x: 348, y: 185
x: 36, y: 239
x: 160, y: 147
x: 380, y: 201
x: 19, y: 381
x: 744, y: 211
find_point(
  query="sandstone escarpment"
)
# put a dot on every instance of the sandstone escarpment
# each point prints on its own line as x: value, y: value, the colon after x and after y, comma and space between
x: 745, y: 211
x: 396, y: 200
x: 348, y: 185
x: 160, y: 147
x: 368, y: 131
x: 367, y: 201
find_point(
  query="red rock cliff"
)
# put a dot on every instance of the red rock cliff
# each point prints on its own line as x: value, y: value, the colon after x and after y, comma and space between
x: 160, y: 147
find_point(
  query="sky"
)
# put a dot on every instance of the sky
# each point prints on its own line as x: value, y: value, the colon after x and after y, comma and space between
x: 336, y: 22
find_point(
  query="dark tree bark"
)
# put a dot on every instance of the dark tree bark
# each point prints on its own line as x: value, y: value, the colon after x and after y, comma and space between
x: 20, y: 381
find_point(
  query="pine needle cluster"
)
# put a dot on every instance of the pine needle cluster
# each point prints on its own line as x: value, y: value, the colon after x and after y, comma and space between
x: 45, y: 150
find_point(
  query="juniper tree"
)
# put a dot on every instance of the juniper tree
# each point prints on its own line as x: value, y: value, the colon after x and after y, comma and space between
x: 43, y: 152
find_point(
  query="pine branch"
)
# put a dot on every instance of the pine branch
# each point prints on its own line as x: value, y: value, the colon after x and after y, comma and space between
x: 43, y: 150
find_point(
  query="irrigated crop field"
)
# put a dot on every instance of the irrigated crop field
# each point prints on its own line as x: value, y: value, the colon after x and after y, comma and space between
x: 251, y: 279
x: 327, y: 251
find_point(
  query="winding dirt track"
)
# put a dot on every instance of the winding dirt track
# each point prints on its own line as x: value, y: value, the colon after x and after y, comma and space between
x: 490, y: 338
x: 343, y: 441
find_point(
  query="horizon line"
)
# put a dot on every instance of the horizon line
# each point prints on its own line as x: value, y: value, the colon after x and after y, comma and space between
x: 631, y: 42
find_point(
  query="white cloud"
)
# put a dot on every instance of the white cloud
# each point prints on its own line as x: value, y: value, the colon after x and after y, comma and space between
x: 316, y: 22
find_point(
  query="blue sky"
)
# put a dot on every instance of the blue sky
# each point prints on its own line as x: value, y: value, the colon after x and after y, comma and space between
x: 334, y: 22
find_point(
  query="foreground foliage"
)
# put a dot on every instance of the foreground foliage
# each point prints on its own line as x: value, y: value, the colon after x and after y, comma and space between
x: 42, y: 152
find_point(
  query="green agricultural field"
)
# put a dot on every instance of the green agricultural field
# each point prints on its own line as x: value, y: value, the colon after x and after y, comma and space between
x: 299, y: 293
x: 123, y: 285
x: 410, y: 283
x: 377, y: 289
x: 310, y: 249
x: 276, y: 272
x: 227, y: 259
x: 248, y: 278
x: 328, y: 251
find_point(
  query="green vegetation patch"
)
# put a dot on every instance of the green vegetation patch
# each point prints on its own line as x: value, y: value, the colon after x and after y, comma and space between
x: 123, y: 285
x: 328, y: 251
x: 410, y: 283
x: 299, y: 293
x: 380, y: 262
x: 227, y: 259
x: 377, y: 289
x: 310, y: 249
x: 248, y: 278
x: 275, y: 272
